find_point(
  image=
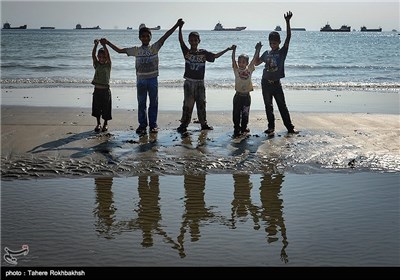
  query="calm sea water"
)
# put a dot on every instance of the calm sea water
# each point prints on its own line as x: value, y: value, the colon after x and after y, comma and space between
x: 204, y: 220
x: 316, y: 60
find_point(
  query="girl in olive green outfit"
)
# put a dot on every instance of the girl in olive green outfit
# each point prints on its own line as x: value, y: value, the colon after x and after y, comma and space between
x: 101, y: 102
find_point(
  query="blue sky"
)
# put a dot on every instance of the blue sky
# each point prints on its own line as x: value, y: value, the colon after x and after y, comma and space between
x: 256, y: 15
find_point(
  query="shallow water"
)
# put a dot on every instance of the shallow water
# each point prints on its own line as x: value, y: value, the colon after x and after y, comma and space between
x: 269, y: 219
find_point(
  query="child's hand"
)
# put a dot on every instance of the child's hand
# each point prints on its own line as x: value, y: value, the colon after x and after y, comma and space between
x: 96, y: 41
x: 233, y: 47
x: 180, y: 22
x: 258, y: 46
x: 288, y: 16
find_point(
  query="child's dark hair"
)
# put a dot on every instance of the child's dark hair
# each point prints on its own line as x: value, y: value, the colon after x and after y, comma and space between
x: 274, y: 36
x: 244, y: 56
x: 101, y: 50
x: 144, y: 30
x: 194, y: 34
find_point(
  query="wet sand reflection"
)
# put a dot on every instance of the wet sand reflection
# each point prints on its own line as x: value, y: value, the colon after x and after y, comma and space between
x: 196, y: 214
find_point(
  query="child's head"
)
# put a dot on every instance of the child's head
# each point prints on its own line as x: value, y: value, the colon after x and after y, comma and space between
x: 145, y: 35
x: 274, y: 40
x: 194, y: 39
x: 243, y: 61
x: 101, y: 55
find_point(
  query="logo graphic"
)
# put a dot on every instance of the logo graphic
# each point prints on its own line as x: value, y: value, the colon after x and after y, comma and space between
x: 10, y: 255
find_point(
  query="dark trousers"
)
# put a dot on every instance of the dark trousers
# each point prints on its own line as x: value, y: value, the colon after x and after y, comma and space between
x: 195, y: 92
x: 101, y: 104
x: 241, y: 110
x: 274, y: 90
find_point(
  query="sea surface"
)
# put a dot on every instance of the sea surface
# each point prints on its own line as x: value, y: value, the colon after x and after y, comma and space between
x: 317, y: 60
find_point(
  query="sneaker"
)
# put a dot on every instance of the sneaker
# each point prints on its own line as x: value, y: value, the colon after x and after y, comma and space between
x: 246, y: 130
x: 206, y: 127
x: 270, y: 131
x: 105, y: 128
x: 182, y: 129
x: 153, y: 130
x: 293, y: 131
x: 141, y: 130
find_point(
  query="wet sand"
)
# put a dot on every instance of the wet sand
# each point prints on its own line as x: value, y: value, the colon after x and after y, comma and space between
x: 60, y: 141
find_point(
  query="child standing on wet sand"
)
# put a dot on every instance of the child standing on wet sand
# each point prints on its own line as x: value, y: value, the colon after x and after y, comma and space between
x: 243, y: 85
x: 101, y: 102
x: 146, y: 75
x: 194, y: 88
x: 274, y: 71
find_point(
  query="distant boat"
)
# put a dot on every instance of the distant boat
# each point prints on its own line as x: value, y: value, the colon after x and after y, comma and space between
x: 47, y: 27
x: 364, y: 29
x: 8, y: 26
x: 219, y: 27
x: 298, y: 29
x: 78, y: 26
x: 278, y: 28
x: 158, y: 27
x: 328, y: 28
x: 129, y: 28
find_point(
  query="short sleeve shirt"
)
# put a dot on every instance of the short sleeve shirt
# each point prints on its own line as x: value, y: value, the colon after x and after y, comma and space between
x: 274, y: 64
x: 195, y: 63
x: 101, y: 74
x: 243, y: 81
x: 146, y: 60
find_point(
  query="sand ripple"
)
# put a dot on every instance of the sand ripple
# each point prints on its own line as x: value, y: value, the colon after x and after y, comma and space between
x: 117, y: 154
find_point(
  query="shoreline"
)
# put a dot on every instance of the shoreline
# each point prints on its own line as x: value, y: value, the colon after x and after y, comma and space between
x: 171, y: 99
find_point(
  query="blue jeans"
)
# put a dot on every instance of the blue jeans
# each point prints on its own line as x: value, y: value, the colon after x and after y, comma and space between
x: 144, y: 87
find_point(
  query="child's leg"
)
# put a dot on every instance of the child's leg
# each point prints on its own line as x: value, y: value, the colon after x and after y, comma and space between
x: 141, y: 86
x: 269, y: 109
x: 245, y: 111
x: 236, y: 113
x: 200, y: 97
x: 188, y: 103
x: 283, y: 110
x: 153, y: 106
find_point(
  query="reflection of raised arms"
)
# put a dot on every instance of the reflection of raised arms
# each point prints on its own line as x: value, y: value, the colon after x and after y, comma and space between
x: 287, y: 17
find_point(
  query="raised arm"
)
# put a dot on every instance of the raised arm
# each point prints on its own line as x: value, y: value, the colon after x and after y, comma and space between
x: 287, y: 17
x: 234, y: 63
x: 256, y: 53
x: 170, y: 31
x: 104, y: 41
x: 94, y: 57
x: 180, y: 35
x: 222, y: 52
x: 107, y: 53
